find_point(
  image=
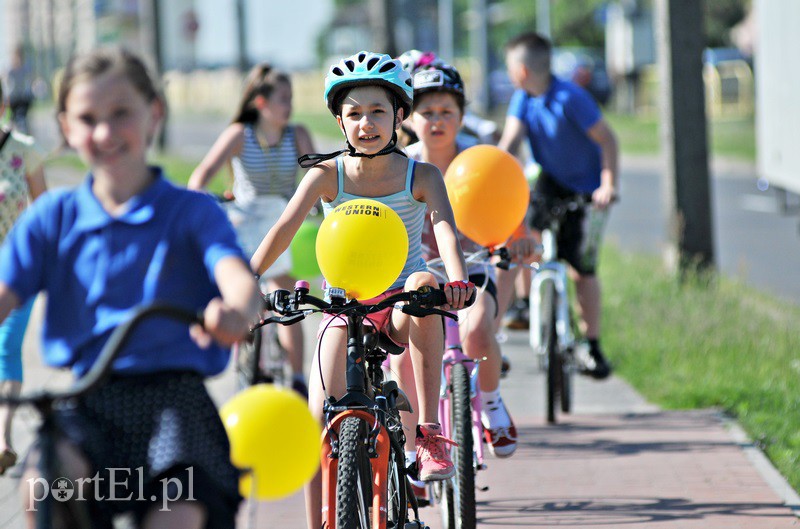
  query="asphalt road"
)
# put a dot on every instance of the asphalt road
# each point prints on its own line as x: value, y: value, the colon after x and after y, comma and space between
x: 753, y: 240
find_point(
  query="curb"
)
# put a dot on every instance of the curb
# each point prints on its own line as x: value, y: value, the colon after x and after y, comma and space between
x: 761, y: 462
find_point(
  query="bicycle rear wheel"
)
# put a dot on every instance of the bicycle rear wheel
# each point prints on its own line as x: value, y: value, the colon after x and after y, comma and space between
x: 461, y: 498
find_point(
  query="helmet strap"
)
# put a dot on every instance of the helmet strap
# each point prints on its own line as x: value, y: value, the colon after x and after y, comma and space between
x: 310, y: 160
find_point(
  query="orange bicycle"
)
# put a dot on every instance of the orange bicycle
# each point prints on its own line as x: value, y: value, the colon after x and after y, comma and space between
x: 364, y: 476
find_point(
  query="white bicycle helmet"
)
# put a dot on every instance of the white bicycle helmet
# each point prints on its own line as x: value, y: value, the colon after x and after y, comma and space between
x: 364, y: 69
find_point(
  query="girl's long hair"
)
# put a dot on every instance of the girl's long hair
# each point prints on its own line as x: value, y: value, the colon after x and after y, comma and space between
x: 261, y: 81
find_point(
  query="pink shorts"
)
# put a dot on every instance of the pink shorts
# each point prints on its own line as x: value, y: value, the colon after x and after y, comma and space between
x: 380, y: 320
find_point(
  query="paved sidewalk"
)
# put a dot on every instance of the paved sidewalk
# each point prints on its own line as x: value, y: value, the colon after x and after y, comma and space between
x: 617, y: 462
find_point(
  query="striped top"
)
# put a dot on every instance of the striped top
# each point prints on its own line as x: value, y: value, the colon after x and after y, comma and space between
x: 273, y: 171
x: 411, y: 211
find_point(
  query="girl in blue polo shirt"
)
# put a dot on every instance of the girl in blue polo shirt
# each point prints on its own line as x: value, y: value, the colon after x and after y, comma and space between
x: 124, y: 238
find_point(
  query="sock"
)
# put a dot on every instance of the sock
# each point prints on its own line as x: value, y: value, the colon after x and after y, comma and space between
x: 493, y: 412
x: 594, y: 345
x: 411, y: 457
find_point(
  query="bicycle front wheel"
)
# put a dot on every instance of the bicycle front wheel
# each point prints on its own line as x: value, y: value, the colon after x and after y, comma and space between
x: 248, y: 359
x: 463, y: 490
x: 549, y: 338
x: 566, y: 381
x: 353, y: 482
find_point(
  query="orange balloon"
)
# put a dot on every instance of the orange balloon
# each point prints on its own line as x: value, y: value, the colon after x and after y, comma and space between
x: 488, y: 193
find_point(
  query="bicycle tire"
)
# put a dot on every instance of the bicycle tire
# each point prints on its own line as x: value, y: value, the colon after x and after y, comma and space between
x: 353, y: 483
x: 248, y: 359
x: 566, y: 382
x: 549, y: 337
x: 461, y: 421
x: 274, y: 361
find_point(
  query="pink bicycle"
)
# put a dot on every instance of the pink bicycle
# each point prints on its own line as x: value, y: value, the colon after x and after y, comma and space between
x: 460, y: 416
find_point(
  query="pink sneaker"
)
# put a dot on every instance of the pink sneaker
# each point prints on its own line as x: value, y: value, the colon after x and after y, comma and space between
x: 433, y: 456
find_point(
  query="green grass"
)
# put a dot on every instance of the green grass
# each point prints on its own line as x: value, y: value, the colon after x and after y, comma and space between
x: 177, y: 169
x: 727, y: 137
x: 700, y: 344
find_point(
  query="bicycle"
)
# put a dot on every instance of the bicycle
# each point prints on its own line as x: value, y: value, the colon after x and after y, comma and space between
x: 364, y: 476
x: 260, y: 358
x: 460, y: 415
x: 46, y: 403
x: 552, y: 325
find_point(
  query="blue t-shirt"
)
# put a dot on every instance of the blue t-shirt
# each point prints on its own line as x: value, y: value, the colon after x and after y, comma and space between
x: 556, y: 123
x: 97, y: 269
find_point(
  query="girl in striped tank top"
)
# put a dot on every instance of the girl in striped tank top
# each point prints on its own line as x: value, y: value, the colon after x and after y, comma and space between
x: 262, y: 148
x: 370, y: 94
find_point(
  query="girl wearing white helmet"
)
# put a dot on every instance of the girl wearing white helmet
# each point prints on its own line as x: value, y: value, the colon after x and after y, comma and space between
x: 370, y: 94
x: 436, y: 119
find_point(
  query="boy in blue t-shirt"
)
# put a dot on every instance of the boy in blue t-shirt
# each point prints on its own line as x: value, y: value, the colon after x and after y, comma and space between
x: 578, y: 154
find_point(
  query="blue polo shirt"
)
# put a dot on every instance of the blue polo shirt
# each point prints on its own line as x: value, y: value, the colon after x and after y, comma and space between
x: 96, y: 269
x: 556, y: 124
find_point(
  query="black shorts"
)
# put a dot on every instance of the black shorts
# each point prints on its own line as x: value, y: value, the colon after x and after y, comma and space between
x: 481, y: 281
x: 164, y: 428
x: 572, y: 233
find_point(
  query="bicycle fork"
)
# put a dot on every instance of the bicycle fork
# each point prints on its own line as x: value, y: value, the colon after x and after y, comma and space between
x: 330, y: 466
x: 454, y: 353
x: 556, y: 273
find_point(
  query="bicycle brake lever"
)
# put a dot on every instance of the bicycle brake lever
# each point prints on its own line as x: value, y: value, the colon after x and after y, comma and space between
x: 292, y: 318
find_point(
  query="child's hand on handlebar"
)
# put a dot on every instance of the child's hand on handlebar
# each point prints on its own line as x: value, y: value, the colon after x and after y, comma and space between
x: 523, y: 245
x: 603, y: 196
x: 223, y: 324
x: 458, y: 293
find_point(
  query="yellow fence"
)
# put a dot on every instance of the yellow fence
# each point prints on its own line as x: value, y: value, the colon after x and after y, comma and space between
x: 729, y: 87
x: 219, y: 91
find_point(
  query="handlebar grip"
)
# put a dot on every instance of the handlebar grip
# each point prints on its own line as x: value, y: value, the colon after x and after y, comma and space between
x: 436, y: 297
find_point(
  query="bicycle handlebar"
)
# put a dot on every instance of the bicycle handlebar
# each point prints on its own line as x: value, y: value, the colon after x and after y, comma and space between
x: 483, y: 257
x: 421, y: 302
x: 102, y: 365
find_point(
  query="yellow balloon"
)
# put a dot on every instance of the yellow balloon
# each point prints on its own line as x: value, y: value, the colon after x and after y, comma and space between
x: 272, y: 433
x: 362, y: 247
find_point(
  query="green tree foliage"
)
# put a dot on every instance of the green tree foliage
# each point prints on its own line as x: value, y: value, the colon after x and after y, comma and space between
x: 720, y: 17
x: 572, y: 22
